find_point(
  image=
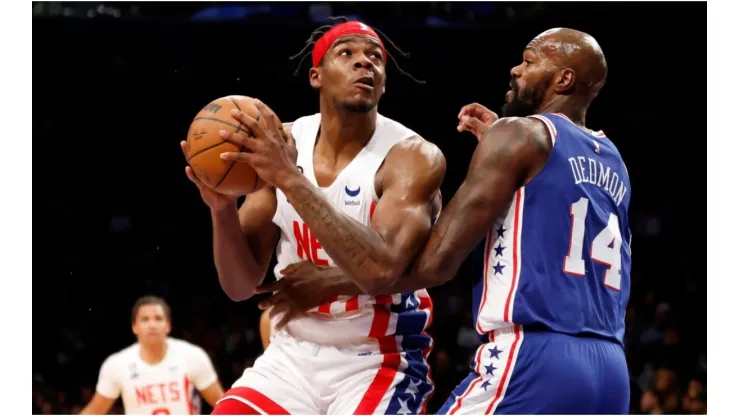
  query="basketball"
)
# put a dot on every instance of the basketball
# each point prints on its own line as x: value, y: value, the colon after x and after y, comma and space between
x: 204, y: 146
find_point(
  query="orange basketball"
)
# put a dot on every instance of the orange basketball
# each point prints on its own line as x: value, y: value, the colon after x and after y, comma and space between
x: 204, y: 146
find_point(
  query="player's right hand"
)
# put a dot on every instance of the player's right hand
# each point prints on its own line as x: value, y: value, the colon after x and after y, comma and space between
x: 303, y: 286
x: 476, y: 119
x: 215, y: 201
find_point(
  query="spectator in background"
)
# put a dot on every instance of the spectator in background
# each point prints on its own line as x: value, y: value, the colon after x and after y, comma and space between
x: 663, y: 396
x: 695, y: 400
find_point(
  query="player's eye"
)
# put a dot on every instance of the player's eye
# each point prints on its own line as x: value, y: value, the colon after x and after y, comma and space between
x: 375, y: 55
x: 345, y: 52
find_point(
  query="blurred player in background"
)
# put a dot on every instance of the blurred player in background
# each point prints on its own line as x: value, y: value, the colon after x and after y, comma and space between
x: 363, y: 195
x: 158, y: 374
x: 546, y: 203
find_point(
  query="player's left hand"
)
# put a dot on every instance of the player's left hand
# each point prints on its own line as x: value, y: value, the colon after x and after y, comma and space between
x: 303, y: 286
x: 270, y: 150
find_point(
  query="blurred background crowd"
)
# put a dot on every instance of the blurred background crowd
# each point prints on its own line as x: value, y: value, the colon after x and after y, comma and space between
x: 122, y: 81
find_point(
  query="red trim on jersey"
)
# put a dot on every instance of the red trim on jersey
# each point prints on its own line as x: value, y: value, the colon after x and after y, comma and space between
x: 489, y: 239
x: 257, y: 399
x: 326, y: 306
x: 458, y: 402
x: 379, y: 326
x: 189, y: 396
x: 372, y: 210
x: 515, y: 259
x: 383, y: 299
x: 509, y: 362
x: 352, y: 304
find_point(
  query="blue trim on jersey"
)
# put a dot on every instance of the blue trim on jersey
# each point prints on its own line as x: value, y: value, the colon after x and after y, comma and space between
x: 411, y: 321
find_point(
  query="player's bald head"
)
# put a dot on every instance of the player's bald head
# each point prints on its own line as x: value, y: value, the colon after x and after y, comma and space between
x: 576, y: 50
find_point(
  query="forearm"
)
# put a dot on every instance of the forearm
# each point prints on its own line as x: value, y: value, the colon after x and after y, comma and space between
x: 238, y: 271
x: 343, y: 285
x: 357, y: 249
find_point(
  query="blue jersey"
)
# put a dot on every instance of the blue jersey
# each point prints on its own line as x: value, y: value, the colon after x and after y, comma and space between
x: 560, y: 258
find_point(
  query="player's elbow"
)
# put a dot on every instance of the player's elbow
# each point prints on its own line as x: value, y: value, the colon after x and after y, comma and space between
x: 379, y: 282
x: 434, y: 271
x: 237, y: 294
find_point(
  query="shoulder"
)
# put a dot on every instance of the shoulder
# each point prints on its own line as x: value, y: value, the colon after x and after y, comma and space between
x: 182, y: 346
x: 416, y: 160
x: 417, y: 147
x: 524, y: 127
x: 517, y: 135
x: 302, y: 122
x: 119, y: 358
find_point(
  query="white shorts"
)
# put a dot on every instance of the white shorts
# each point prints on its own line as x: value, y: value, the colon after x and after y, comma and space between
x: 301, y: 377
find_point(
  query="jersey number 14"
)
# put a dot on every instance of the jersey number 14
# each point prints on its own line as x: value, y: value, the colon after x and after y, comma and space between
x: 605, y: 248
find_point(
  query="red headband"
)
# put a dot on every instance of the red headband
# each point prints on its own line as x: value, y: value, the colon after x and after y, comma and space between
x: 338, y: 31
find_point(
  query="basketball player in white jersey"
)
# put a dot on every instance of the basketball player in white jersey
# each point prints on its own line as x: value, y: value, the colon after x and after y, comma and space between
x: 362, y: 195
x: 157, y: 375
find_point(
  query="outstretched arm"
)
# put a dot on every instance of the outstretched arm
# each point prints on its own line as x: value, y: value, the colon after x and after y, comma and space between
x: 511, y: 152
x: 376, y: 256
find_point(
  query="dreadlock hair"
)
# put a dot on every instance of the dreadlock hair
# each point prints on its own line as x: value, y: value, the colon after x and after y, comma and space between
x: 316, y: 35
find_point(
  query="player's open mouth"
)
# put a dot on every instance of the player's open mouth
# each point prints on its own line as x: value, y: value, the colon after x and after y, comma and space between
x: 366, y: 83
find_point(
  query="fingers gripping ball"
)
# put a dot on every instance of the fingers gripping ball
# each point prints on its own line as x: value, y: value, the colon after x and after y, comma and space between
x: 204, y: 146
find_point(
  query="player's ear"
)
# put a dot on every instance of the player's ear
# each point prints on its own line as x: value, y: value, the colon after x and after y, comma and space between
x: 314, y: 77
x: 565, y: 80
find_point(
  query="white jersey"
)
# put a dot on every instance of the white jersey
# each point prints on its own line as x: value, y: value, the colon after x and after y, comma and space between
x: 161, y: 389
x: 347, y: 319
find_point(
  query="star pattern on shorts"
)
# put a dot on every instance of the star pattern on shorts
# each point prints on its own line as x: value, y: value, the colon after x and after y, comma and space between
x: 489, y: 369
x: 413, y: 389
x: 501, y: 230
x: 498, y: 268
x: 494, y: 352
x: 499, y: 250
x: 485, y: 385
x: 404, y: 407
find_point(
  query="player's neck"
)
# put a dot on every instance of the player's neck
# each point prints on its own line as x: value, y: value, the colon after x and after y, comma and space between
x: 575, y: 111
x: 345, y: 130
x: 153, y: 353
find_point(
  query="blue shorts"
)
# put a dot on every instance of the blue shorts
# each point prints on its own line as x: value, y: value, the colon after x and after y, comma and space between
x: 543, y: 372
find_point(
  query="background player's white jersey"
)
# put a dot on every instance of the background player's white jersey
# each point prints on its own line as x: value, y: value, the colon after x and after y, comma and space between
x: 345, y: 318
x: 165, y: 388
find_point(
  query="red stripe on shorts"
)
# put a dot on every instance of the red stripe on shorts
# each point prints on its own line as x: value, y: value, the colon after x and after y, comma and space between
x: 326, y: 306
x: 258, y: 399
x: 391, y: 359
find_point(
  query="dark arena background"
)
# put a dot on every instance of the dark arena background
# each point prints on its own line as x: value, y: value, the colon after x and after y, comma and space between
x: 121, y: 82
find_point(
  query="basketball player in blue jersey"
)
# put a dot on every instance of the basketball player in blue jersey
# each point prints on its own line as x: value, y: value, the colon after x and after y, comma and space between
x: 544, y: 210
